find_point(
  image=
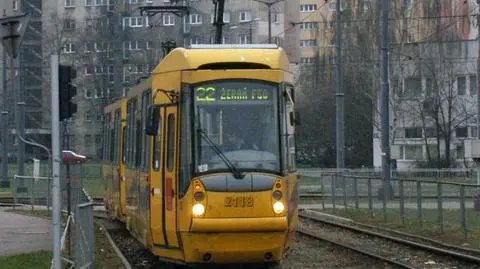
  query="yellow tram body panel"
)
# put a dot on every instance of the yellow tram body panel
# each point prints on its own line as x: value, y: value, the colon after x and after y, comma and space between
x: 238, y: 222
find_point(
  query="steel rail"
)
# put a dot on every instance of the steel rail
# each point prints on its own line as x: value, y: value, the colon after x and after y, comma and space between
x: 458, y: 255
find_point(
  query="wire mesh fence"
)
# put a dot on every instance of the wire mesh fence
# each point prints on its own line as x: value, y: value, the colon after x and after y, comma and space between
x: 436, y: 204
x: 78, y: 239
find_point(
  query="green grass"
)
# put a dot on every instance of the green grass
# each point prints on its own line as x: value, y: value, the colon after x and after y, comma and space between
x: 453, y: 232
x: 34, y: 260
x: 91, y: 176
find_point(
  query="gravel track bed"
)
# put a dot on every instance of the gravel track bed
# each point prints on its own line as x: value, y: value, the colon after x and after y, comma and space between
x: 402, y: 253
x: 310, y: 253
x: 305, y: 253
x: 416, y: 239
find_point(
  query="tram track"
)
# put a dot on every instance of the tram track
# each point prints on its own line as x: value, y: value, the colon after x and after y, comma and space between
x: 399, y: 250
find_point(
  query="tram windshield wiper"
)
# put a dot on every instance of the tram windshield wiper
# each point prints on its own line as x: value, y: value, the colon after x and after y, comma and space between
x: 236, y: 173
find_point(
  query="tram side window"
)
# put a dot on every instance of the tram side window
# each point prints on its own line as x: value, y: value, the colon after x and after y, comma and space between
x: 138, y: 141
x: 124, y: 145
x: 289, y: 129
x: 170, y: 142
x: 157, y: 144
x: 127, y: 136
x: 112, y: 144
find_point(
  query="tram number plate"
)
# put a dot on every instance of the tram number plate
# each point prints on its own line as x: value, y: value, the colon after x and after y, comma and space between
x: 239, y: 201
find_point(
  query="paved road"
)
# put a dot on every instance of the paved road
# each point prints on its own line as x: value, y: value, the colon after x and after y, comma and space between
x: 23, y: 234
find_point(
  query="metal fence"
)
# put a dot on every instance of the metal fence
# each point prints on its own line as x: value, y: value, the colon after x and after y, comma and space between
x: 78, y: 239
x: 437, y: 204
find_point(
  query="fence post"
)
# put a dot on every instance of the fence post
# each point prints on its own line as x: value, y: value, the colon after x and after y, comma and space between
x: 370, y: 200
x: 14, y: 190
x: 462, y: 211
x: 32, y: 193
x: 333, y: 189
x: 402, y: 202
x: 440, y: 205
x: 419, y: 202
x: 322, y: 190
x: 355, y: 191
x: 344, y: 186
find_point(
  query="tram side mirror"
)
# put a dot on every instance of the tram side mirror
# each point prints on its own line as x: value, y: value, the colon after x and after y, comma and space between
x: 294, y: 118
x: 153, y: 117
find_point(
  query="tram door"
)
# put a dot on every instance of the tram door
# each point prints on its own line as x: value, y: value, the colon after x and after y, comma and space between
x: 164, y: 179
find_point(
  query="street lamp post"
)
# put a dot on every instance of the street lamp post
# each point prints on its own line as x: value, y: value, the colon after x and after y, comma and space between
x: 269, y: 5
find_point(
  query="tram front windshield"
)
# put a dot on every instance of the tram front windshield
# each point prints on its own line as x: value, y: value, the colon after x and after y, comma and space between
x: 236, y: 120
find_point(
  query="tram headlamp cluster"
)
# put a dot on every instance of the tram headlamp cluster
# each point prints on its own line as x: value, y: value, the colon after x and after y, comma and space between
x: 198, y: 210
x: 278, y: 207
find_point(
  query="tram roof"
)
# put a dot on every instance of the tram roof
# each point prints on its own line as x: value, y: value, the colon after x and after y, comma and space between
x: 220, y: 56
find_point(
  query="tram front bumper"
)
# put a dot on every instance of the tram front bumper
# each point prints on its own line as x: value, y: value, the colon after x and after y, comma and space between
x: 235, y: 240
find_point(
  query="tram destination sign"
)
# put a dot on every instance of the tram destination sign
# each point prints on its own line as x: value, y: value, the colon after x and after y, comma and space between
x: 238, y: 92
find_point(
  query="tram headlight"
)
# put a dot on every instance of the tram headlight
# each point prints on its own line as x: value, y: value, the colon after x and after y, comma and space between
x: 278, y: 207
x: 198, y: 210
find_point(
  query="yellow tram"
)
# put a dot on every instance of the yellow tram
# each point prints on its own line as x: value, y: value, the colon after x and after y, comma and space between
x: 201, y: 157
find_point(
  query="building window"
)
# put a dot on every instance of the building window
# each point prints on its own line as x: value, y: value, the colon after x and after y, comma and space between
x: 308, y: 43
x: 88, y: 140
x: 195, y: 19
x: 331, y: 24
x: 308, y: 8
x: 461, y: 132
x: 15, y: 5
x: 473, y: 84
x: 412, y: 87
x: 88, y: 93
x: 461, y: 85
x: 459, y: 151
x: 88, y: 3
x: 473, y: 131
x: 245, y: 16
x: 413, y: 132
x: 413, y: 152
x: 308, y: 25
x: 430, y: 132
x: 226, y: 17
x: 307, y: 60
x: 69, y: 25
x: 332, y: 7
x: 168, y: 20
x: 69, y: 3
x: 98, y: 140
x: 243, y: 39
x: 69, y: 48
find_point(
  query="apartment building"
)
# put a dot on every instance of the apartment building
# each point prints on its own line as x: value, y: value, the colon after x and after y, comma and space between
x: 433, y: 68
x: 111, y: 45
x: 31, y: 66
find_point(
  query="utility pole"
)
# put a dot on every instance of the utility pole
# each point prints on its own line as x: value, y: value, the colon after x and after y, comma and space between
x: 218, y: 20
x: 385, y: 105
x: 478, y: 73
x: 269, y: 5
x: 340, y: 95
x: 5, y: 183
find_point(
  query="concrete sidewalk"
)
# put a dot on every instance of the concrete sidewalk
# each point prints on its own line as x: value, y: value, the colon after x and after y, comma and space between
x: 23, y: 234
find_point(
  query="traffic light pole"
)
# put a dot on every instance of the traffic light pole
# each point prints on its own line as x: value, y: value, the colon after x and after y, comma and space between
x: 55, y: 163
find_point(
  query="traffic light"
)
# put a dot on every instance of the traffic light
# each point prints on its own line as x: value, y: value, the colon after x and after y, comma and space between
x: 66, y: 91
